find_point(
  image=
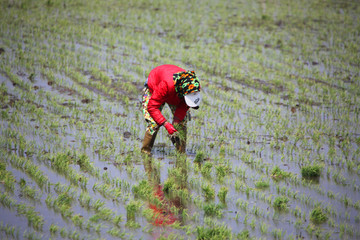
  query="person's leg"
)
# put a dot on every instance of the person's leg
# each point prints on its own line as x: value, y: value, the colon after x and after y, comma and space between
x: 152, y: 127
x: 146, y: 144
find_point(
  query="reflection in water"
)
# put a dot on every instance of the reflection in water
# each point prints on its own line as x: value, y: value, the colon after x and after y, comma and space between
x: 169, y: 199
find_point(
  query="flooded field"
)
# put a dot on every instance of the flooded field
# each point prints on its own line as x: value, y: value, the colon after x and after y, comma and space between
x: 272, y: 153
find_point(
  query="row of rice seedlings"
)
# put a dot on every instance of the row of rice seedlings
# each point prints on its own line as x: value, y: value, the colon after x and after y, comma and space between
x: 10, y: 231
x: 98, y: 207
x: 6, y: 177
x: 132, y: 208
x: 65, y: 200
x: 56, y: 105
x: 61, y: 162
x: 280, y: 203
x: 278, y: 200
x: 35, y: 220
x: 62, y: 203
x: 28, y: 191
x: 53, y: 63
x: 28, y: 167
x: 109, y: 191
x: 64, y: 233
x: 82, y: 161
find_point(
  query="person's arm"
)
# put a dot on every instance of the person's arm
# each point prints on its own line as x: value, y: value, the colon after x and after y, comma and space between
x: 157, y: 99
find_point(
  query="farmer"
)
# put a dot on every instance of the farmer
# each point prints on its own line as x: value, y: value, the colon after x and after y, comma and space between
x: 178, y: 88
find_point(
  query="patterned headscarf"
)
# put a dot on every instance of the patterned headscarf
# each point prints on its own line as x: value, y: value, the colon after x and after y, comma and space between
x: 186, y: 82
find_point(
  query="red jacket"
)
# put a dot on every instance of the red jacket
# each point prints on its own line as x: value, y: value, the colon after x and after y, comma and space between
x: 161, y: 86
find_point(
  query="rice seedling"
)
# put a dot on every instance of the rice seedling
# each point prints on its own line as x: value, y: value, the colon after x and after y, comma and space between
x: 78, y: 220
x: 213, y: 232
x: 262, y: 184
x: 29, y: 192
x: 6, y: 177
x: 31, y: 235
x: 30, y: 168
x: 311, y: 170
x: 53, y: 229
x: 9, y: 230
x: 116, y: 233
x: 222, y: 171
x: 263, y: 228
x: 208, y: 191
x: 281, y: 202
x: 244, y: 235
x: 206, y: 169
x: 256, y: 211
x: 317, y: 215
x: 131, y: 208
x: 222, y: 194
x: 277, y: 173
x: 199, y: 157
x: 143, y: 189
x: 212, y: 209
x: 253, y: 223
x: 34, y: 219
x: 277, y: 233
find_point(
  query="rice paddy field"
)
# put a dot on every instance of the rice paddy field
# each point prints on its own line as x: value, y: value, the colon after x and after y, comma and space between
x: 272, y: 153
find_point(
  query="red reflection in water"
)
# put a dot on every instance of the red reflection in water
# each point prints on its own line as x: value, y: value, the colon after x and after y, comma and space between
x: 161, y: 213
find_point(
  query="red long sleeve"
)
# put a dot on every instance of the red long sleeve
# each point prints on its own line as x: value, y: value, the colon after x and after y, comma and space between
x: 158, y: 98
x: 161, y: 86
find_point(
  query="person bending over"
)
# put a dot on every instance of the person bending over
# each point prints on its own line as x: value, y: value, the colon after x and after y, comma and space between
x: 178, y: 88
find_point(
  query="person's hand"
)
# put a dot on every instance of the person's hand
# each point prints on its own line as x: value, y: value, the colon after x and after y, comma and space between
x: 170, y: 128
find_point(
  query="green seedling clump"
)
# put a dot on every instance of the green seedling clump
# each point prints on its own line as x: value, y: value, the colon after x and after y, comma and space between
x: 131, y: 208
x: 100, y: 75
x: 208, y: 191
x: 142, y: 190
x: 276, y: 172
x: 262, y: 184
x: 222, y: 171
x: 53, y: 229
x: 2, y: 166
x: 244, y: 235
x: 222, y: 194
x: 206, y: 169
x: 169, y: 185
x: 317, y: 215
x: 214, y: 232
x: 200, y: 156
x: 64, y: 199
x: 357, y: 141
x: 281, y: 202
x: 311, y: 170
x: 213, y: 209
x: 181, y: 131
x: 6, y: 177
